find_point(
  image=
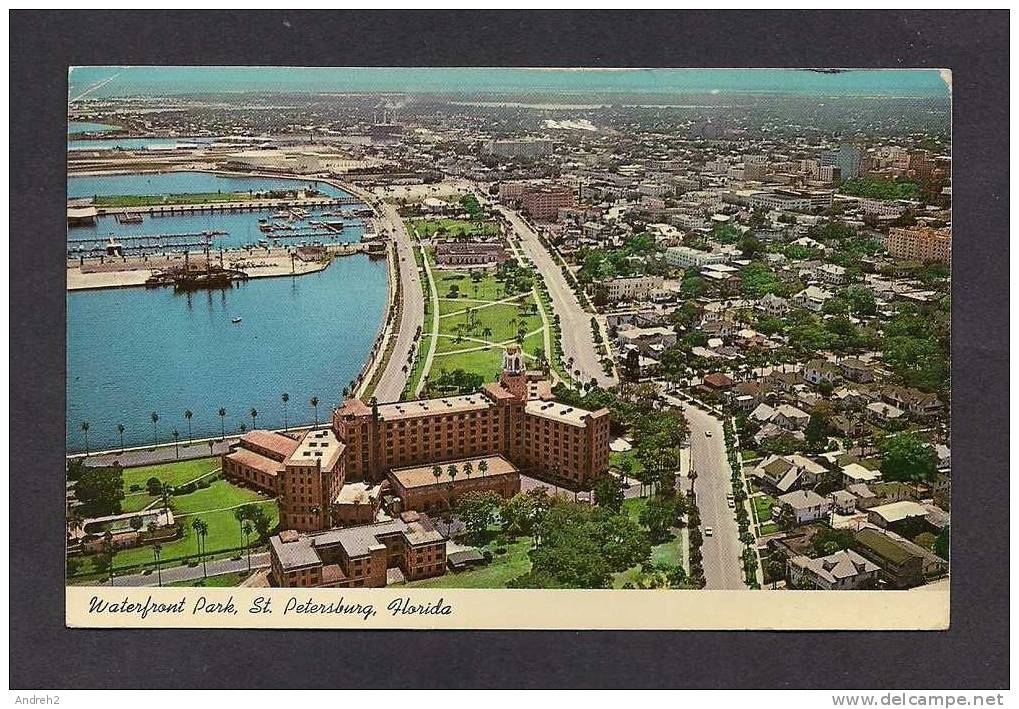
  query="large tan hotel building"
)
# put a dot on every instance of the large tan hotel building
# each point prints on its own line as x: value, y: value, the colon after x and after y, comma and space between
x: 508, y: 428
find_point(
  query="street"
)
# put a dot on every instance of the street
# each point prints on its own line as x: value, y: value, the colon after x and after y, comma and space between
x: 722, y: 551
x: 578, y: 343
x: 412, y: 314
x: 176, y: 574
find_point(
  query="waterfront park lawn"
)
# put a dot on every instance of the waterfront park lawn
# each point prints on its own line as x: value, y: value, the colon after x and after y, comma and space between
x: 214, y: 504
x: 478, y: 319
x: 136, y: 496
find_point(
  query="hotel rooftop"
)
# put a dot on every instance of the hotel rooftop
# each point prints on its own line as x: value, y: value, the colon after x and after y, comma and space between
x: 317, y: 445
x: 424, y: 475
x: 557, y: 412
x: 429, y: 407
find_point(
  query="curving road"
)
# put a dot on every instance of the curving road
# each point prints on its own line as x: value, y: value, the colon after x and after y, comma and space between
x: 412, y: 314
x: 722, y: 551
x: 575, y: 322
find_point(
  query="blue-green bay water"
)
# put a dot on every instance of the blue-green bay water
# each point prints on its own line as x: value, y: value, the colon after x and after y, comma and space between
x: 169, y: 81
x: 132, y: 351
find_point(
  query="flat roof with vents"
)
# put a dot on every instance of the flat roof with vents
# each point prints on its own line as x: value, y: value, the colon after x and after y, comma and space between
x: 317, y: 446
x: 428, y: 407
x: 557, y: 412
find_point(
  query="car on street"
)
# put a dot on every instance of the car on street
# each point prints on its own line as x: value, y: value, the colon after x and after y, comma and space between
x: 707, y: 434
x: 708, y: 531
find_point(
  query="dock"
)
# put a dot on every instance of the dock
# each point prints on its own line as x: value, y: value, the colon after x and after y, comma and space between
x: 142, y: 242
x: 256, y: 205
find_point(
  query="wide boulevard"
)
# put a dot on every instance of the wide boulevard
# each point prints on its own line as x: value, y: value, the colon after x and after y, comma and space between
x: 577, y: 340
x: 722, y: 551
x: 412, y: 314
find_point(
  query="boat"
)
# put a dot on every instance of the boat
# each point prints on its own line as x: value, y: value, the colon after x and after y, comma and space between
x: 235, y: 320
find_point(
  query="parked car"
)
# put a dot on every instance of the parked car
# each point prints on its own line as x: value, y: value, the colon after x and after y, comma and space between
x: 708, y: 531
x: 707, y: 434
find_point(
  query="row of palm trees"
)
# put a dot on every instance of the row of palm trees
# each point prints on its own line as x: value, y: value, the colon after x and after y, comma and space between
x: 188, y: 415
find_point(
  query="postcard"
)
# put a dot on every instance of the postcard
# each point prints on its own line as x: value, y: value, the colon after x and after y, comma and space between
x: 508, y: 348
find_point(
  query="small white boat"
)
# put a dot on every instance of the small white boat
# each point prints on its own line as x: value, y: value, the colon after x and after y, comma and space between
x: 235, y: 320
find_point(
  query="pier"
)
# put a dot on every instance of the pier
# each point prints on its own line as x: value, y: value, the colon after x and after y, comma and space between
x: 142, y: 242
x: 256, y: 205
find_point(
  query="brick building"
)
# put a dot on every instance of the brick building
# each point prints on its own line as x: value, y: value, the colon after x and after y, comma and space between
x: 361, y: 556
x: 337, y: 475
x: 513, y: 418
x: 543, y: 203
x: 469, y: 253
x: 419, y: 489
x: 920, y: 243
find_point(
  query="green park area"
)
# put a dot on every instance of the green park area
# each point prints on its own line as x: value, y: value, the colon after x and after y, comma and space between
x: 479, y: 313
x: 200, y: 494
x: 455, y: 228
x: 136, y: 496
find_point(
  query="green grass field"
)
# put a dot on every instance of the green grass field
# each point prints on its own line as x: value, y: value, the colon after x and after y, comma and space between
x: 224, y: 533
x: 221, y: 581
x: 481, y: 332
x: 213, y: 504
x: 174, y: 474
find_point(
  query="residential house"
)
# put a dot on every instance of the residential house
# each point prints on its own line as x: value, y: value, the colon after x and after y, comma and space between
x: 819, y: 370
x: 785, y: 473
x: 902, y: 563
x: 791, y: 418
x: 856, y: 370
x: 807, y: 505
x: 773, y: 305
x: 853, y: 473
x: 865, y: 497
x: 842, y: 571
x: 844, y: 502
x: 812, y: 298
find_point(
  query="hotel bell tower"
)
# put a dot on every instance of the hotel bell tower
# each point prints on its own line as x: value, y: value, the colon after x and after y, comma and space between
x: 514, y: 374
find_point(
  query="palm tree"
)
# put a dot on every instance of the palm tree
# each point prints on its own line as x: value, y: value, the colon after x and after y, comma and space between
x: 468, y: 469
x: 241, y: 515
x: 451, y: 471
x: 483, y: 467
x: 437, y: 472
x: 187, y: 416
x: 155, y: 419
x: 120, y: 432
x: 176, y: 435
x: 254, y: 415
x: 164, y: 492
x: 157, y: 548
x: 314, y: 404
x: 201, y: 528
x: 108, y: 551
x: 84, y: 429
x: 222, y: 424
x: 247, y: 529
x: 286, y: 397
